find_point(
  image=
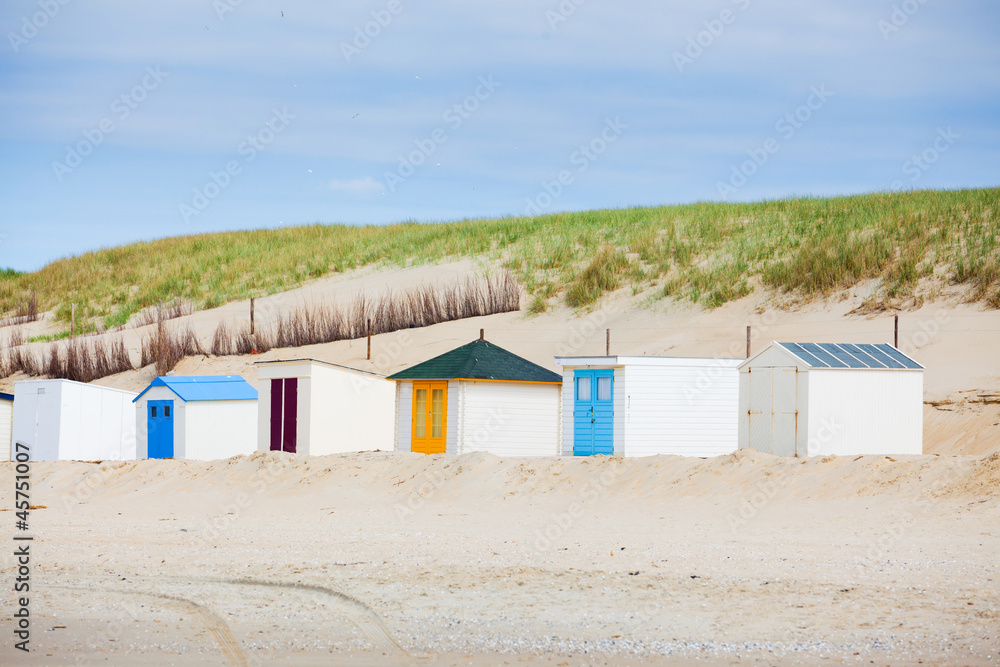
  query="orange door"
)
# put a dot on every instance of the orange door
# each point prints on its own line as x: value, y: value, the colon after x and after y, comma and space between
x: 430, y: 417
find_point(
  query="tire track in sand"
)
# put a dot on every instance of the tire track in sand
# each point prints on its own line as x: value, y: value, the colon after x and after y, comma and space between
x: 212, y: 622
x: 363, y: 616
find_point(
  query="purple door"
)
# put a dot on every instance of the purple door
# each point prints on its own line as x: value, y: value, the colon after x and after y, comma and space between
x: 291, y: 414
x: 284, y: 414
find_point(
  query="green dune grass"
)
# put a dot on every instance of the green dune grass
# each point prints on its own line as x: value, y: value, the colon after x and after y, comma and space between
x: 707, y: 253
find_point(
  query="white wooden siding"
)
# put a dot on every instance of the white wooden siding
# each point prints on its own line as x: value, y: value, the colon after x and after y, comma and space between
x: 349, y: 412
x: 74, y: 421
x: 404, y: 415
x: 864, y: 412
x: 567, y: 399
x: 619, y: 393
x: 690, y: 410
x: 510, y: 418
x: 215, y: 429
x: 263, y: 412
x: 453, y: 436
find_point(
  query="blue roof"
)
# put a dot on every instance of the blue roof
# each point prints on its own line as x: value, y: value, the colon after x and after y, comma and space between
x: 204, y: 387
x: 6, y: 397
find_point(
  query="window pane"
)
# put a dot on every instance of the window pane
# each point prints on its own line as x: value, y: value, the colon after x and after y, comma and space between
x: 437, y: 413
x: 152, y: 411
x: 420, y: 414
x: 583, y: 388
x: 604, y: 388
x: 166, y: 410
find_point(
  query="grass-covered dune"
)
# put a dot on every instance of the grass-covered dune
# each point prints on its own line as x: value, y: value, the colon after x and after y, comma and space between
x: 708, y: 253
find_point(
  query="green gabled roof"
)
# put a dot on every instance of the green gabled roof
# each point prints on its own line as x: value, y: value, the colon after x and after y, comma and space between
x: 478, y: 360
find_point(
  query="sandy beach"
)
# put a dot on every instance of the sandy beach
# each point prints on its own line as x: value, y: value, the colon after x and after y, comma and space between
x: 389, y: 558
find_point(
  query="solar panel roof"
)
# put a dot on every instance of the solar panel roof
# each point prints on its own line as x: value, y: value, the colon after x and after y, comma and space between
x: 852, y: 355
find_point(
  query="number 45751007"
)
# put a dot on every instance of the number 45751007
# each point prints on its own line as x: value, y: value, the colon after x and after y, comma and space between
x: 22, y: 484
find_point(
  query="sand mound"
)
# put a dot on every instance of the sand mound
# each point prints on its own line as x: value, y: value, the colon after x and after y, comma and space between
x: 387, y: 476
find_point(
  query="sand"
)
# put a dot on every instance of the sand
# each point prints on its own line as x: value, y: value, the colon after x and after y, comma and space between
x: 390, y: 558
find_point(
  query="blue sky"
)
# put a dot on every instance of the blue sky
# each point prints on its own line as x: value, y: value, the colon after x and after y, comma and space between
x: 125, y: 121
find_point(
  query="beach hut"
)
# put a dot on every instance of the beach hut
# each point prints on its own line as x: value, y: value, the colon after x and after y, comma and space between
x: 315, y: 408
x: 201, y: 417
x: 67, y: 420
x: 809, y: 399
x: 640, y: 406
x: 7, y: 422
x: 478, y: 397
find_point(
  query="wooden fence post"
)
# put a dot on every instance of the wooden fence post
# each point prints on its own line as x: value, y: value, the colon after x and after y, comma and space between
x: 369, y: 339
x: 895, y: 333
x: 607, y: 342
x: 748, y: 341
x: 251, y: 316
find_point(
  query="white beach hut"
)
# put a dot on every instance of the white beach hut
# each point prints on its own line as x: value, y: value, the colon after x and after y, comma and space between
x: 201, y: 417
x: 640, y: 406
x: 315, y: 408
x: 810, y: 399
x: 478, y: 397
x: 67, y: 420
x: 7, y: 422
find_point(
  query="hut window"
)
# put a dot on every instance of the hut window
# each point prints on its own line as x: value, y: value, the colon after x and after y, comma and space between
x: 166, y: 410
x: 583, y: 388
x: 152, y: 411
x: 437, y: 412
x: 604, y: 388
x: 420, y: 414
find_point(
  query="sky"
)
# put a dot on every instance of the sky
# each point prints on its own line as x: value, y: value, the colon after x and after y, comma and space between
x: 125, y: 121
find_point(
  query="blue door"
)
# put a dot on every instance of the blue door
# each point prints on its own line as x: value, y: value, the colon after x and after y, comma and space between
x: 593, y: 412
x: 160, y: 429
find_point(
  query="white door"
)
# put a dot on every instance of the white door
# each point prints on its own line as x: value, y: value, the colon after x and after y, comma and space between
x: 783, y: 416
x: 760, y: 409
x: 772, y: 410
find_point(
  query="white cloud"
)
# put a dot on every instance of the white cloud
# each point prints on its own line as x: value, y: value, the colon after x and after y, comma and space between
x: 358, y: 186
